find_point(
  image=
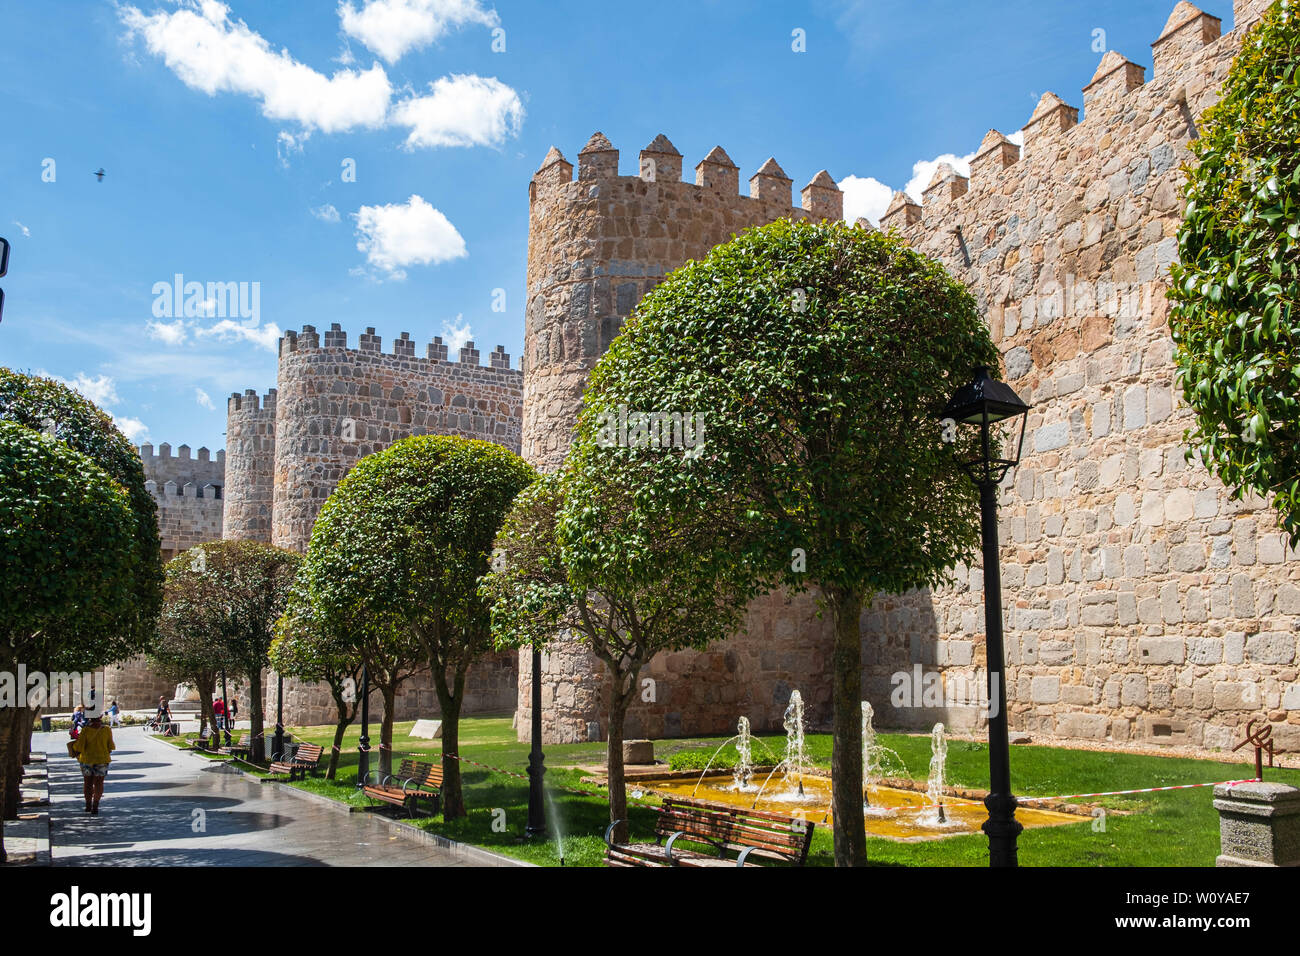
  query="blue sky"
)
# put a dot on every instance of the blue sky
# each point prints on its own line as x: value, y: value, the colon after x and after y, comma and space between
x: 225, y: 131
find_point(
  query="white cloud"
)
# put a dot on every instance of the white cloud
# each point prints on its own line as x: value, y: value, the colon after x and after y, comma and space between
x: 27, y: 233
x: 170, y: 333
x: 413, y: 233
x: 204, y: 399
x: 461, y: 110
x: 391, y: 28
x: 135, y: 430
x: 213, y: 54
x: 1018, y: 137
x: 923, y: 171
x: 101, y: 389
x: 286, y: 144
x: 456, y: 334
x: 865, y: 196
x: 228, y: 330
x: 326, y: 213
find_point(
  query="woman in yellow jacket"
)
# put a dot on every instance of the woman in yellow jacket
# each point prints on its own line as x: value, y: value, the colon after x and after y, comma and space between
x: 93, y: 747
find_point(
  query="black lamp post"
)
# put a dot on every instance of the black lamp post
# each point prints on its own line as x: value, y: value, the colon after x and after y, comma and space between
x: 363, y: 745
x: 984, y: 403
x: 536, y: 761
x: 225, y: 706
x: 278, y: 747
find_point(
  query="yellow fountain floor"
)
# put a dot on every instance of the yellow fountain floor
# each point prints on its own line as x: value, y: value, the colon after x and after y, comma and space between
x: 893, y: 814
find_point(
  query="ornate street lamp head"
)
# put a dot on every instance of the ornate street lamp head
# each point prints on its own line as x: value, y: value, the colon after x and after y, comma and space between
x: 992, y: 407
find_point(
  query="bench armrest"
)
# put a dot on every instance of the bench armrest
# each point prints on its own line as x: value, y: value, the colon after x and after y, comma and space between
x: 609, y: 831
x: 740, y: 860
x: 668, y: 847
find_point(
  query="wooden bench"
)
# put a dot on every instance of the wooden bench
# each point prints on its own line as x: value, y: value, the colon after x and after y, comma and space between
x: 304, y: 760
x: 240, y: 748
x: 205, y: 738
x: 411, y: 784
x: 747, y: 833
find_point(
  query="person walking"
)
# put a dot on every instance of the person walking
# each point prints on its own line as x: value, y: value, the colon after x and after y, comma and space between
x: 114, y: 715
x: 94, y: 747
x: 219, y: 711
x: 78, y: 720
x: 163, y: 718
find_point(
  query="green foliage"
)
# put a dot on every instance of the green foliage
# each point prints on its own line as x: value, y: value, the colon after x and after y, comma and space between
x: 303, y: 649
x: 820, y: 356
x: 38, y: 403
x: 68, y: 554
x: 527, y: 587
x: 400, y: 545
x: 223, y: 599
x: 1234, y: 319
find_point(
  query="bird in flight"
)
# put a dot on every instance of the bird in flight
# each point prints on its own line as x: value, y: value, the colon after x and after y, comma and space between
x: 99, y: 174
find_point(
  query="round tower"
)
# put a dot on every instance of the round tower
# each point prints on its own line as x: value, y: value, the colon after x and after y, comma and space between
x: 596, y: 245
x: 250, y: 466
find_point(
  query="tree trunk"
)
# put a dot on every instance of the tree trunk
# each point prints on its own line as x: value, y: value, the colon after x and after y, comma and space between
x: 256, y: 727
x: 846, y: 756
x: 453, y: 795
x: 6, y: 743
x: 617, y: 783
x: 207, y: 715
x: 386, y: 730
x: 28, y: 726
x: 337, y: 750
x: 11, y: 760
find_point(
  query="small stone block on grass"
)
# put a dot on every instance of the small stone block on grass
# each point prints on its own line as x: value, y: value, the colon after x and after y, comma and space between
x: 427, y: 729
x: 637, y: 752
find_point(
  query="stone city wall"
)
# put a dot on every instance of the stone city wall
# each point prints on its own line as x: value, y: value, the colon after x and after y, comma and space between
x: 1142, y: 603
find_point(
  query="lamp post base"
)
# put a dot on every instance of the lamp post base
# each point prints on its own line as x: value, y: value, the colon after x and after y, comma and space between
x: 1002, y: 829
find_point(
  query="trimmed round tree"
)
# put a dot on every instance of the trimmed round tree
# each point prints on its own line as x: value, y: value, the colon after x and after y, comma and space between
x: 68, y: 560
x: 395, y: 558
x: 228, y: 595
x: 305, y: 650
x: 1235, y: 319
x: 561, y: 568
x: 812, y: 361
x: 184, y: 650
x: 45, y: 405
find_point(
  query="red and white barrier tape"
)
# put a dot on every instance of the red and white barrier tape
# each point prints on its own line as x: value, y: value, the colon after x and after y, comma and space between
x: 1116, y: 793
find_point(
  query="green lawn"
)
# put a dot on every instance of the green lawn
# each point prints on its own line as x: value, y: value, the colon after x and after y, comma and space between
x: 1177, y: 828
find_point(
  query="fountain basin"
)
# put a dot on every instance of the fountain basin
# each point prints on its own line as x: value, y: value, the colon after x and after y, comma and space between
x: 904, y: 815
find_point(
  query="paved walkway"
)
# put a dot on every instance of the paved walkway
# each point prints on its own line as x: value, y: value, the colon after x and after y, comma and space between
x: 163, y: 807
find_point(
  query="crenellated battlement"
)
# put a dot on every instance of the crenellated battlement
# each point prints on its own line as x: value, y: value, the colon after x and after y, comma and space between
x: 661, y: 163
x: 250, y: 403
x: 371, y: 344
x: 164, y: 453
x: 1188, y: 63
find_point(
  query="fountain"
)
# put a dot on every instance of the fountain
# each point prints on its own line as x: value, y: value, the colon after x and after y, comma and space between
x: 876, y: 761
x: 893, y: 813
x: 934, y: 814
x: 795, y: 762
x: 744, y: 770
x: 745, y: 760
x: 796, y: 757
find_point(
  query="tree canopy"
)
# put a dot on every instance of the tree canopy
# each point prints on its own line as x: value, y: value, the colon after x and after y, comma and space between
x: 544, y: 584
x: 222, y: 603
x: 395, y: 558
x: 1234, y: 320
x: 819, y: 356
x: 43, y: 404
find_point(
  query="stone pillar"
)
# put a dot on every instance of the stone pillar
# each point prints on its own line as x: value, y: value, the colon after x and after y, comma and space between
x: 1259, y: 824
